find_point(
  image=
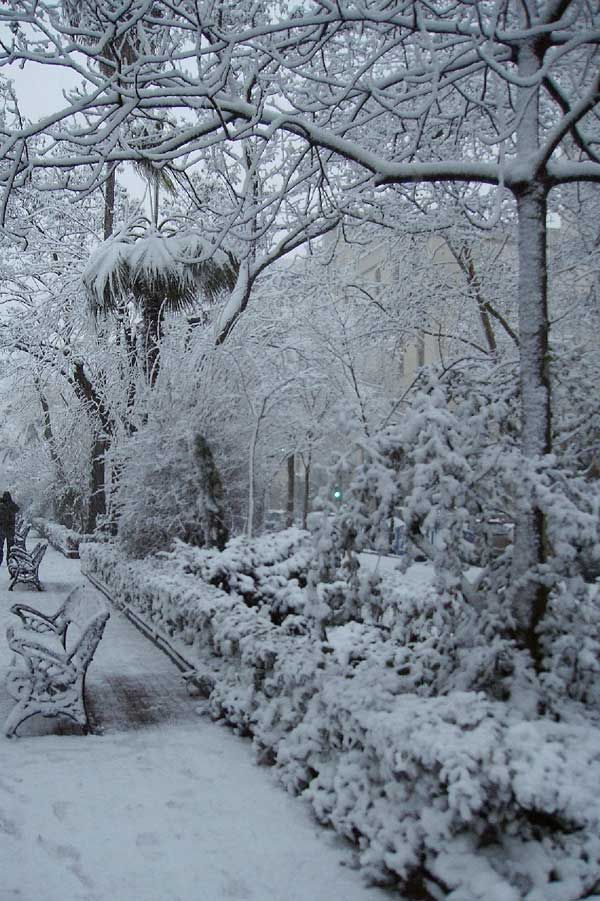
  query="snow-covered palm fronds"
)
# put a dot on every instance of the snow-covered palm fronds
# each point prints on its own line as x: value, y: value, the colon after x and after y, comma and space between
x: 173, y: 269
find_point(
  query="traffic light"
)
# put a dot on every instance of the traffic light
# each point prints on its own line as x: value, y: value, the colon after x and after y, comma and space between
x: 337, y: 494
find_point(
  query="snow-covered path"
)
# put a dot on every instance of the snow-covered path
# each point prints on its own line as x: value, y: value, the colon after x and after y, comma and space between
x: 164, y: 805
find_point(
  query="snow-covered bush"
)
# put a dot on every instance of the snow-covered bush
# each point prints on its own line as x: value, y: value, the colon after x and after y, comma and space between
x: 450, y: 468
x: 168, y: 488
x: 268, y: 572
x: 570, y: 637
x: 65, y: 540
x: 453, y: 793
x: 438, y: 468
x: 576, y: 372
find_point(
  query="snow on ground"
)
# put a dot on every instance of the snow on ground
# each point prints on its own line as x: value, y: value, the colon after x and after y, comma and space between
x: 163, y: 805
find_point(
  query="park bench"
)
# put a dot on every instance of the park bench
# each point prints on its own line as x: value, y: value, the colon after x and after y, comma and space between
x: 51, y: 655
x: 24, y: 567
x: 21, y: 532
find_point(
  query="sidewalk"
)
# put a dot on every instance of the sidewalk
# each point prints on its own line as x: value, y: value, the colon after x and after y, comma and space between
x: 163, y: 805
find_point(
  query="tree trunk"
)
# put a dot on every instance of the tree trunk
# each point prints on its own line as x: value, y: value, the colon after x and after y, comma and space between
x: 109, y: 201
x: 475, y: 286
x: 306, y: 497
x: 155, y: 196
x: 102, y: 427
x: 48, y: 434
x: 101, y: 443
x: 291, y: 484
x: 530, y: 598
x: 251, y: 464
x: 153, y: 331
x: 97, y: 505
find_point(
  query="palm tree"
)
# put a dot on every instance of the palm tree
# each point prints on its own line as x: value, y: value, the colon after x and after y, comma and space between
x: 161, y: 273
x: 120, y: 51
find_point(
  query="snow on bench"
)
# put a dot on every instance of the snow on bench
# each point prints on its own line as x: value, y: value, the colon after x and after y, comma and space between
x: 51, y: 655
x: 21, y: 532
x: 24, y: 567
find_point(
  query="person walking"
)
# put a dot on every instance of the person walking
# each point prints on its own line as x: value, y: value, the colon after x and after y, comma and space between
x: 8, y: 512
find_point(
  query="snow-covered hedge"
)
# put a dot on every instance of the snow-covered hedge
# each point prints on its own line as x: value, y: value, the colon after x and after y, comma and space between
x: 492, y: 806
x: 441, y: 788
x: 64, y: 540
x: 269, y: 571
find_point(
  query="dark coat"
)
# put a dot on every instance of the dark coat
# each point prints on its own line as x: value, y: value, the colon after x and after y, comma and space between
x: 8, y: 512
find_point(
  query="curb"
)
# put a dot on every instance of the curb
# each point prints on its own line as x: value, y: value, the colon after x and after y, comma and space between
x: 188, y: 671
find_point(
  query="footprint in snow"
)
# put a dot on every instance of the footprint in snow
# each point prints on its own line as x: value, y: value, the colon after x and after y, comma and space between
x: 8, y: 787
x: 66, y: 853
x: 8, y: 826
x: 148, y: 843
x: 59, y: 809
x: 236, y: 889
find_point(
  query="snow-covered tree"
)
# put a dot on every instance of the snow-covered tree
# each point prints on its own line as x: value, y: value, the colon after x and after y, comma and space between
x: 380, y: 98
x: 160, y: 273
